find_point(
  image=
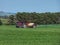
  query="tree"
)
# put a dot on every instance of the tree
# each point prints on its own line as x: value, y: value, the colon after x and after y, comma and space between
x: 11, y: 20
x: 0, y: 22
x: 39, y: 18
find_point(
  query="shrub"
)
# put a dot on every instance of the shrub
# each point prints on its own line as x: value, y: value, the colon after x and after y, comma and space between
x: 0, y: 22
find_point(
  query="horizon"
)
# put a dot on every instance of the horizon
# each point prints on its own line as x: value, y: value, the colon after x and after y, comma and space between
x: 39, y: 6
x: 27, y: 12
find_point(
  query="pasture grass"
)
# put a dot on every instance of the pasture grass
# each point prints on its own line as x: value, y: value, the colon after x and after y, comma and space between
x: 4, y: 21
x: 42, y: 35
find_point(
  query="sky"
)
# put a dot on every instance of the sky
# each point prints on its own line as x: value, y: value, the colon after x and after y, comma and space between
x: 30, y: 5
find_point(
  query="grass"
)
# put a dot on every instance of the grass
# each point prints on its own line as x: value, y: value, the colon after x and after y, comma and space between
x: 42, y: 35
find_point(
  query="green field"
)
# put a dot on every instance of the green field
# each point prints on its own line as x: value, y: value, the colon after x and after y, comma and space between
x: 42, y: 35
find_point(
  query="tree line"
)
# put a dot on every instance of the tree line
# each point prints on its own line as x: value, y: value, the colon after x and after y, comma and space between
x: 38, y: 18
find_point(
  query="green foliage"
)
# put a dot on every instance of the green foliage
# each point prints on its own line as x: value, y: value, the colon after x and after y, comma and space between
x: 39, y: 18
x: 1, y: 22
x: 11, y: 20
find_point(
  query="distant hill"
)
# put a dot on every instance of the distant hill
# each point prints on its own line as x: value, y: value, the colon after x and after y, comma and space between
x: 2, y: 13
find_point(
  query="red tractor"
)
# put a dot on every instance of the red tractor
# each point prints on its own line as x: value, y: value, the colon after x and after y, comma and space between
x: 25, y: 25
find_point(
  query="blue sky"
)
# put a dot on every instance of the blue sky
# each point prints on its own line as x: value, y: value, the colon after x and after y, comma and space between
x: 30, y: 5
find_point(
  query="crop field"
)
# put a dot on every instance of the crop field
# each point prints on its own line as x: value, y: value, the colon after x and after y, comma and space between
x: 4, y: 20
x: 41, y: 35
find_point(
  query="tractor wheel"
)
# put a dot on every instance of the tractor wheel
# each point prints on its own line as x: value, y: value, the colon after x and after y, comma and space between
x: 17, y: 26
